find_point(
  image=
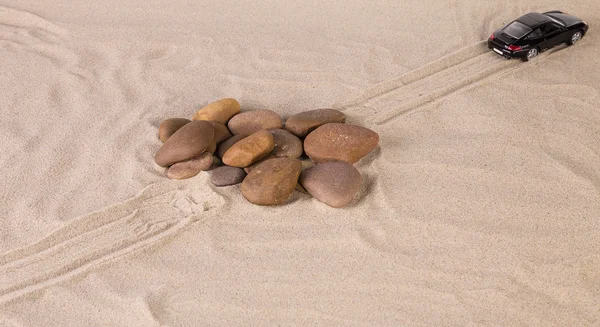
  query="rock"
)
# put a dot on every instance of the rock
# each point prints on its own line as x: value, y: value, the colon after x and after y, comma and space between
x: 216, y: 163
x: 303, y: 123
x: 286, y: 144
x: 333, y: 183
x: 223, y: 147
x: 272, y: 182
x: 212, y: 148
x: 170, y: 126
x: 225, y: 176
x: 191, y: 167
x: 220, y: 111
x: 340, y: 142
x: 249, y: 168
x: 221, y: 132
x: 187, y: 142
x: 253, y: 121
x: 250, y: 149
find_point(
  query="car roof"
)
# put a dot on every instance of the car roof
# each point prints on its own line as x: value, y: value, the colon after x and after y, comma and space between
x: 533, y: 19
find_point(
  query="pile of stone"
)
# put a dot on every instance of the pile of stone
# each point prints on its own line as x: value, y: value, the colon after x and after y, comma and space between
x: 314, y: 153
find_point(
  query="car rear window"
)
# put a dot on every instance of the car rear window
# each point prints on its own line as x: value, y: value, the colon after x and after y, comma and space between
x: 516, y: 30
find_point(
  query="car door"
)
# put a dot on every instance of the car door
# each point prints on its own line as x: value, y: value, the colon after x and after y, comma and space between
x: 553, y: 34
x: 534, y: 39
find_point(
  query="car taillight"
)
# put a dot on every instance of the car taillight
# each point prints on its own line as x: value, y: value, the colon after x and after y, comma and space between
x: 492, y: 37
x: 514, y: 48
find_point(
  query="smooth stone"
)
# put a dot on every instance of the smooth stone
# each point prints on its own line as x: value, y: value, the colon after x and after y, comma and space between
x: 216, y: 163
x: 340, y: 142
x: 301, y: 124
x: 221, y: 110
x: 225, y: 176
x: 170, y: 126
x: 286, y: 144
x: 223, y: 147
x: 250, y: 149
x: 212, y: 148
x: 253, y: 121
x: 249, y: 168
x: 188, y: 142
x: 333, y: 183
x: 222, y: 133
x: 190, y: 168
x: 272, y: 182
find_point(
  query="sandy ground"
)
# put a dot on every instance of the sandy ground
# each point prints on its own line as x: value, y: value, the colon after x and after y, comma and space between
x: 480, y: 207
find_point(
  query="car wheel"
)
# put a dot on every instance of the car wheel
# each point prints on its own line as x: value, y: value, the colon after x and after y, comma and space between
x: 575, y: 37
x: 532, y: 53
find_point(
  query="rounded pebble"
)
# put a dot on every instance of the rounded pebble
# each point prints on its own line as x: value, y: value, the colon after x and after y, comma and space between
x: 250, y: 149
x: 221, y: 110
x: 170, y: 126
x: 190, y: 168
x: 303, y: 123
x: 225, y: 176
x: 340, y: 142
x: 223, y: 147
x: 333, y: 183
x: 286, y: 144
x: 272, y: 182
x: 187, y: 142
x: 253, y: 121
x: 221, y: 132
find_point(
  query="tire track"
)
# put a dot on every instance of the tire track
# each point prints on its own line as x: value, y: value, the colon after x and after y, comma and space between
x: 467, y: 67
x: 156, y: 214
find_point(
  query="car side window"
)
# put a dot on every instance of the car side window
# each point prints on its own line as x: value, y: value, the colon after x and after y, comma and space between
x: 537, y: 33
x: 550, y: 28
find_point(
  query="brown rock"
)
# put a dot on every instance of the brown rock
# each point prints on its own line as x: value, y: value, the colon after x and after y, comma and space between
x: 333, y: 183
x: 188, y: 142
x: 272, y: 182
x: 223, y: 147
x: 170, y: 126
x: 286, y: 144
x: 253, y: 121
x: 225, y: 176
x: 250, y: 149
x: 220, y: 111
x: 216, y: 163
x: 212, y: 147
x: 340, y: 142
x: 267, y: 157
x: 190, y: 168
x: 305, y: 122
x: 221, y: 132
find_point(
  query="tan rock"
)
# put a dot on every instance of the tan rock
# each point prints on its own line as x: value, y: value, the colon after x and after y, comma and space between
x: 286, y: 144
x: 333, y: 183
x: 223, y: 147
x: 340, y: 142
x: 170, y: 126
x: 191, y: 167
x: 221, y: 110
x: 305, y: 122
x: 212, y: 148
x: 250, y: 149
x: 187, y: 142
x: 253, y: 121
x: 272, y: 182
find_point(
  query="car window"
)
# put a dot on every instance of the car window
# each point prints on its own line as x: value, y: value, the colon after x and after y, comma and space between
x: 537, y: 33
x: 550, y: 28
x: 516, y: 30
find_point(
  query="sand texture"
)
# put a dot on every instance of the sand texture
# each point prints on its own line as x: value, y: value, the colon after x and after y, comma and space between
x: 480, y: 206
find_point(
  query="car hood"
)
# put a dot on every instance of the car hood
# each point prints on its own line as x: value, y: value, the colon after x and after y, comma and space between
x: 568, y: 19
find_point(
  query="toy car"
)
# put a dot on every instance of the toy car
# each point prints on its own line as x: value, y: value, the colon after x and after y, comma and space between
x: 533, y: 33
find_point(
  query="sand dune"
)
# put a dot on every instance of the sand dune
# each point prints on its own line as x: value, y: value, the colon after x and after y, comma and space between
x: 479, y: 207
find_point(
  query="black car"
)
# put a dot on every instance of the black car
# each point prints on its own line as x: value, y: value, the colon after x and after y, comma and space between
x: 533, y: 33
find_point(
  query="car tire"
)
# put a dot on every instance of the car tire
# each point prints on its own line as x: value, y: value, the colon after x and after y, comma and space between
x: 532, y: 53
x: 576, y: 36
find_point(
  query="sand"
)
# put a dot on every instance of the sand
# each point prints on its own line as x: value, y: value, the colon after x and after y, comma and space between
x: 480, y: 206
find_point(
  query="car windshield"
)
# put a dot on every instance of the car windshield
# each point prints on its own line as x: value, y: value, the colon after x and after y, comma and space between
x: 516, y: 30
